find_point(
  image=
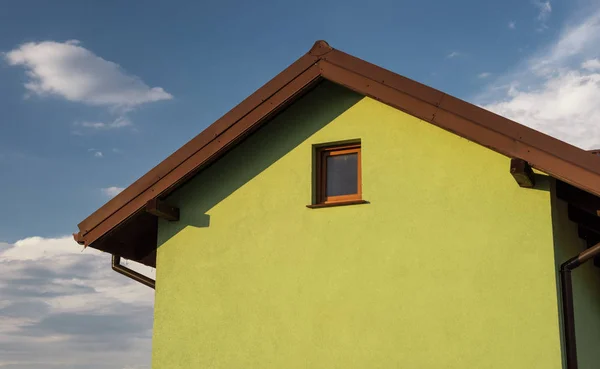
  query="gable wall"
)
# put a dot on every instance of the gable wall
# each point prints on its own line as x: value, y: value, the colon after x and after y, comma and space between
x: 450, y: 265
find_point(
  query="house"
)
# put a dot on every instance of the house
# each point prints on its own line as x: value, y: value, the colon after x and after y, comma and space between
x: 344, y: 216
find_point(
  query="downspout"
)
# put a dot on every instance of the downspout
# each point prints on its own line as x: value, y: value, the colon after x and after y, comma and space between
x: 117, y: 267
x: 567, y: 301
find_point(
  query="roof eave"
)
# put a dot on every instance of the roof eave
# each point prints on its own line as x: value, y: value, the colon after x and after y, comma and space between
x: 283, y: 87
x: 559, y: 159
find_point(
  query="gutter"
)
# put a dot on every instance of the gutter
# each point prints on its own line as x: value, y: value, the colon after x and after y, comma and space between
x: 117, y: 267
x: 567, y: 301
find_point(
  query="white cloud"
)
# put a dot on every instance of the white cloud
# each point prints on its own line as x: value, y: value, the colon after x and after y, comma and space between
x: 592, y: 64
x: 564, y: 106
x: 484, y: 75
x: 557, y: 89
x: 453, y: 54
x: 119, y: 122
x: 59, y: 298
x: 75, y: 73
x: 112, y: 191
x: 38, y: 248
x: 512, y: 25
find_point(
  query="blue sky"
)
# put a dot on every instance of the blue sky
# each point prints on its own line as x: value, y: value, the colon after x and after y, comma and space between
x: 208, y: 58
x: 94, y: 94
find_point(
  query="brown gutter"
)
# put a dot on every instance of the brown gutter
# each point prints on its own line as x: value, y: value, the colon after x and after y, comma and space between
x: 567, y: 301
x: 117, y: 267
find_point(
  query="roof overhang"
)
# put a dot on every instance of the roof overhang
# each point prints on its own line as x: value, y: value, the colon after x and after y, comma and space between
x: 124, y: 227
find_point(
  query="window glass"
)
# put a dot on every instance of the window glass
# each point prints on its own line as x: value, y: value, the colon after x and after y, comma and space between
x: 342, y: 174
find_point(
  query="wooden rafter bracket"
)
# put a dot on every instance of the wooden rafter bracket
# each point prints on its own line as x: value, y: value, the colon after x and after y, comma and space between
x: 522, y: 172
x: 578, y: 198
x: 163, y: 210
x: 584, y: 219
x: 586, y: 234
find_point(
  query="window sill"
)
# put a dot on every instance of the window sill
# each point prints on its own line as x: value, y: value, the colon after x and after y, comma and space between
x: 338, y: 203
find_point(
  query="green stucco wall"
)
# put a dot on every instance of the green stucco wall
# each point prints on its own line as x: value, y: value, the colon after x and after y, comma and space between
x: 450, y: 265
x: 586, y: 286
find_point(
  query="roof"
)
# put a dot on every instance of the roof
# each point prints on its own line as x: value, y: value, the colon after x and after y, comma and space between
x: 122, y: 226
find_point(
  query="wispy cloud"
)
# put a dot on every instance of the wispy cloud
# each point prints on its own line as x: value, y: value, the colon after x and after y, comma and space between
x: 484, y: 75
x: 96, y: 153
x: 112, y: 191
x: 512, y: 25
x: 544, y: 11
x: 556, y: 90
x: 58, y: 298
x: 453, y: 54
x: 544, y: 8
x: 119, y: 122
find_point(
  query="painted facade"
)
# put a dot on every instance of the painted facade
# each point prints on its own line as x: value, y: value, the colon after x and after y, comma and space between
x: 449, y: 265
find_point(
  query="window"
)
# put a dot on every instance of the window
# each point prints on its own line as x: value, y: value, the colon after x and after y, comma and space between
x: 338, y: 174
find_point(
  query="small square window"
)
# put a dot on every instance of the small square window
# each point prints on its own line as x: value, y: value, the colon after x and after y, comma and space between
x: 338, y: 174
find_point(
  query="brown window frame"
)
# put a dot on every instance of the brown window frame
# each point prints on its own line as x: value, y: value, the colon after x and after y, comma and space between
x: 321, y: 181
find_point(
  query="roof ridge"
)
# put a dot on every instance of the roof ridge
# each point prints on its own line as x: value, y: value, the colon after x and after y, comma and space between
x: 320, y: 48
x: 109, y: 227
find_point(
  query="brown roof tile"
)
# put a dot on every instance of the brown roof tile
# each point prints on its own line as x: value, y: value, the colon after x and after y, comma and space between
x: 122, y: 226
